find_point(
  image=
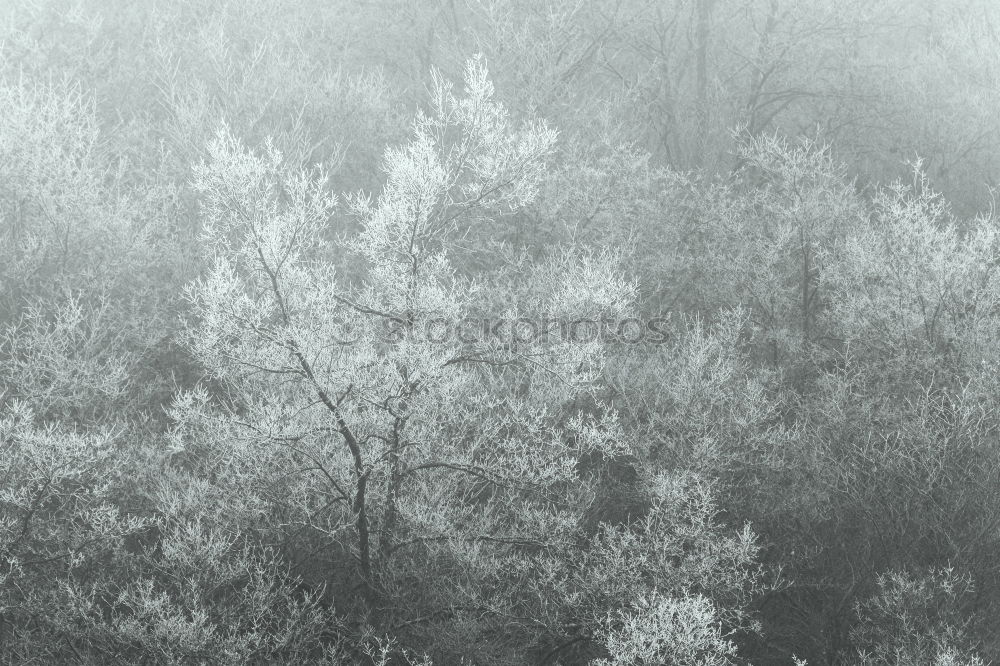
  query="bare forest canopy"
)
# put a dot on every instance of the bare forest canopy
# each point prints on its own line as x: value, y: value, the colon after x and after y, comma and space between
x: 501, y: 332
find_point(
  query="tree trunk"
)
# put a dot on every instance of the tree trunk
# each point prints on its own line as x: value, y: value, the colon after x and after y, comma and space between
x: 704, y: 17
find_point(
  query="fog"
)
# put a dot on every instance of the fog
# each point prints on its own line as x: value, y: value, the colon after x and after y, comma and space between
x: 612, y: 332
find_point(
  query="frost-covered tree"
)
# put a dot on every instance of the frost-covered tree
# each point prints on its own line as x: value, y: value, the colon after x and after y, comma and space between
x: 916, y: 620
x: 434, y: 466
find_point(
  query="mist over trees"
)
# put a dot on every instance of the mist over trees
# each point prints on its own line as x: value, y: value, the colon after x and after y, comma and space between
x: 613, y: 332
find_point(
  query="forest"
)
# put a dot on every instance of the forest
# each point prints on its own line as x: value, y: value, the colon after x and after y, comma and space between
x: 500, y: 332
